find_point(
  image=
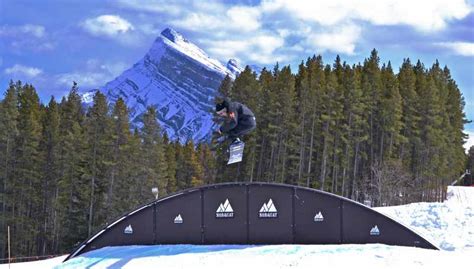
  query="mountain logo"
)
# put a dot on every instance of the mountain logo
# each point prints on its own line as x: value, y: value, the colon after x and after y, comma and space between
x: 318, y: 217
x: 178, y: 219
x: 128, y: 229
x: 225, y: 210
x: 268, y: 210
x: 375, y: 230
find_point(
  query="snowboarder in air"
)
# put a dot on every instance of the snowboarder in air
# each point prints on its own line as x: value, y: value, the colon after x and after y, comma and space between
x: 238, y: 121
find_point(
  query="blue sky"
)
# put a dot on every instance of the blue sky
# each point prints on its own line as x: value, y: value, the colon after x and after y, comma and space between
x: 50, y: 43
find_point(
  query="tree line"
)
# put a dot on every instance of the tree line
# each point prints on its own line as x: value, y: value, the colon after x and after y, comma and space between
x: 359, y: 131
x: 67, y: 170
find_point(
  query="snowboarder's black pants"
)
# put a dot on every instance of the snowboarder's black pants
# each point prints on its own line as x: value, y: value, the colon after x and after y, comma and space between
x: 244, y: 127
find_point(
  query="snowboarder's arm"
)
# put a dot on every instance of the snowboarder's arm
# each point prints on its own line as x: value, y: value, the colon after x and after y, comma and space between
x: 229, y: 125
x: 232, y: 122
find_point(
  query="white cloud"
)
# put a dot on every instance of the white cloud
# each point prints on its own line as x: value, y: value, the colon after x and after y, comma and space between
x: 244, y: 18
x: 37, y: 31
x: 94, y: 74
x: 470, y: 140
x: 460, y: 48
x: 85, y: 80
x: 238, y: 19
x: 107, y: 25
x: 323, y: 12
x: 305, y: 26
x: 118, y: 29
x: 149, y: 29
x: 155, y: 6
x: 424, y: 15
x: 199, y: 22
x: 268, y: 42
x: 20, y: 71
x: 227, y: 48
x: 259, y: 48
x: 32, y: 44
x: 338, y: 40
x: 26, y: 37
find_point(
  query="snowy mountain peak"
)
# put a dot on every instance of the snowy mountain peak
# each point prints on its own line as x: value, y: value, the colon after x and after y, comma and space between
x: 177, y: 78
x: 234, y: 67
x: 232, y: 62
x: 173, y: 39
x: 173, y: 35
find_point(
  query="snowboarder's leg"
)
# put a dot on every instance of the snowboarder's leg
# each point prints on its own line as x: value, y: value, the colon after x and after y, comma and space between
x: 243, y: 128
x: 218, y: 142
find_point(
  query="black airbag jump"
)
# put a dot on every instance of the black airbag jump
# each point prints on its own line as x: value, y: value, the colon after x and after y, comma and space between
x: 252, y: 213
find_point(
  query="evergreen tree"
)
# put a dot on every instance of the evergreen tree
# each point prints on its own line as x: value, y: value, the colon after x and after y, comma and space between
x: 207, y: 162
x: 331, y: 114
x: 355, y: 109
x: 98, y: 125
x: 120, y: 181
x: 170, y: 156
x: 154, y: 165
x: 390, y: 113
x: 470, y: 160
x: 263, y: 132
x: 302, y: 108
x: 50, y: 143
x: 457, y: 119
x: 371, y: 85
x: 195, y: 174
x: 317, y: 81
x: 410, y: 116
x: 72, y: 204
x: 134, y: 173
x: 27, y: 184
x: 8, y: 137
x: 225, y: 89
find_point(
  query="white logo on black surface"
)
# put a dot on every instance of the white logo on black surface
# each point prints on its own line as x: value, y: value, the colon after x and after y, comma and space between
x: 225, y: 210
x: 268, y: 210
x: 128, y: 229
x: 178, y: 219
x: 375, y: 230
x: 318, y: 217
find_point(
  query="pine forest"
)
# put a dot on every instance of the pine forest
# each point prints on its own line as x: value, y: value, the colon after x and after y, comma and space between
x: 364, y: 131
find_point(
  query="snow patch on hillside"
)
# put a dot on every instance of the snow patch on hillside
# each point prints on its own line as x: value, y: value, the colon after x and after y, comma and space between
x: 449, y: 224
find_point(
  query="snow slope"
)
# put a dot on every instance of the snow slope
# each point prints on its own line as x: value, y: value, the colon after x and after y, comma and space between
x: 44, y: 264
x: 449, y: 224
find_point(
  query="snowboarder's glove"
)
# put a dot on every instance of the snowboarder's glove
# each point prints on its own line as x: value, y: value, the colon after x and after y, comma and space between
x: 221, y: 139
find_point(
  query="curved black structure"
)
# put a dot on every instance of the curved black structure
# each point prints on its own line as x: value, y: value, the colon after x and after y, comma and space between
x: 253, y: 213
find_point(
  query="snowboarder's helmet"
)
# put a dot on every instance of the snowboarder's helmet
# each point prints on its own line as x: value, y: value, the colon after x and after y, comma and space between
x: 224, y: 104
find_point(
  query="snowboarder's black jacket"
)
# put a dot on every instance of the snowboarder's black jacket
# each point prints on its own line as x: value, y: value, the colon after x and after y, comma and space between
x: 240, y: 122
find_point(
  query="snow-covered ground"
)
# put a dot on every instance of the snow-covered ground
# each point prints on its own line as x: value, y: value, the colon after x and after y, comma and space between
x: 449, y: 225
x: 44, y: 264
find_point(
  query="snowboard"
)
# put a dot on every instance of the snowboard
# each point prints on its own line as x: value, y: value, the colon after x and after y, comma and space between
x: 236, y: 152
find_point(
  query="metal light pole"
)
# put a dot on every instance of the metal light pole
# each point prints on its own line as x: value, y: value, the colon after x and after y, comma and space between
x: 9, y: 251
x: 155, y: 192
